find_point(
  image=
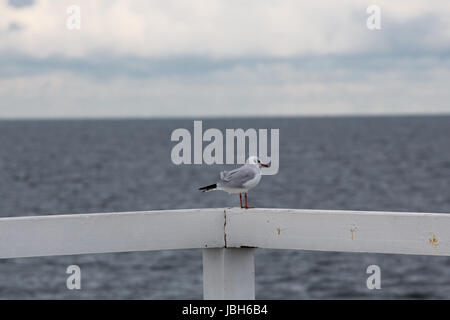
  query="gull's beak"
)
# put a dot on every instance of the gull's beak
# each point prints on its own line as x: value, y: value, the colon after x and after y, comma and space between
x: 264, y: 165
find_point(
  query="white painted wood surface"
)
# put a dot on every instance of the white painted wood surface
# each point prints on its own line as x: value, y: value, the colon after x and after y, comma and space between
x: 228, y: 274
x: 348, y: 231
x: 224, y: 235
x: 111, y: 232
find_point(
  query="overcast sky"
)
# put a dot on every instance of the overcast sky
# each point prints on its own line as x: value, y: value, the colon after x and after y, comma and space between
x: 223, y: 58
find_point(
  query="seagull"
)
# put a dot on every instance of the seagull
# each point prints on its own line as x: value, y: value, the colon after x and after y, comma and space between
x: 240, y: 180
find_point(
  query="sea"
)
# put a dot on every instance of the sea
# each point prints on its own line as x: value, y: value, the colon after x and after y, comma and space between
x: 348, y: 163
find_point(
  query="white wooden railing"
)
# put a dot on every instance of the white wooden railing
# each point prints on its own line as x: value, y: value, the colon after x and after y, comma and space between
x: 227, y: 236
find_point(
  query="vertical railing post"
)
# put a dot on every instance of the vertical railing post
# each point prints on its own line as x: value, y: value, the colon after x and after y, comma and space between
x: 228, y: 273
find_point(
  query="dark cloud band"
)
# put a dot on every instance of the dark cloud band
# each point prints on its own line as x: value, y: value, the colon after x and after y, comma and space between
x: 21, y: 3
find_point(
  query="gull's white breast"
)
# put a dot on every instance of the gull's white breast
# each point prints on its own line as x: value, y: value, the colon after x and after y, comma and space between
x: 253, y: 182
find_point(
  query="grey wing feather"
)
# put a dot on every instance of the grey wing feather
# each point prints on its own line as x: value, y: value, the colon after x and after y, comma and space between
x: 226, y: 175
x: 236, y: 178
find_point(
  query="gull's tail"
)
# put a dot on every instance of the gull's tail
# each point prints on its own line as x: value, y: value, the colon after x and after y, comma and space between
x: 208, y: 188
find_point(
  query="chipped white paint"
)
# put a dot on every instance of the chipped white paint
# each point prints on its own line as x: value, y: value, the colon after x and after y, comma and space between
x: 347, y: 231
x: 223, y: 234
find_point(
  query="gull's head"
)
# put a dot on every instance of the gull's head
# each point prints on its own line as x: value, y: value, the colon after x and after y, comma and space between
x: 255, y: 160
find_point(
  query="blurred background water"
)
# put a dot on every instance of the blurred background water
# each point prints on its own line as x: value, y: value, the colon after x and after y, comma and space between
x: 354, y: 163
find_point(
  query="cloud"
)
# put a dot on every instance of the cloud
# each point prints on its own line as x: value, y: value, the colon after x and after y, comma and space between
x: 265, y: 89
x: 215, y: 57
x: 20, y: 3
x: 13, y: 27
x: 227, y: 29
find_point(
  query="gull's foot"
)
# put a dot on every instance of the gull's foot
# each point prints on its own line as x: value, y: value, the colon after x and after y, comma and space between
x: 247, y: 207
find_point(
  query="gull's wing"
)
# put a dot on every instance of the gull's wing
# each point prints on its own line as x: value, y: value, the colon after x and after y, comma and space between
x: 238, y: 177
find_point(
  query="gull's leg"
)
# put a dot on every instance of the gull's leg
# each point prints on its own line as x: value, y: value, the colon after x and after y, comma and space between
x: 246, y: 206
x: 240, y: 198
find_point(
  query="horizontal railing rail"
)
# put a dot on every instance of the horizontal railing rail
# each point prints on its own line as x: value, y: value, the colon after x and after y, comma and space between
x: 227, y: 235
x: 111, y: 232
x: 346, y: 231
